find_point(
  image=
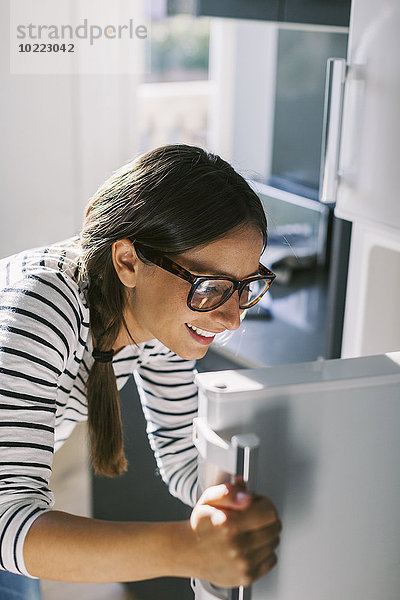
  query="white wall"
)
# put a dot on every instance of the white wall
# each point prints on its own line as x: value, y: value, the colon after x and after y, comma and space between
x: 38, y: 172
x: 61, y: 136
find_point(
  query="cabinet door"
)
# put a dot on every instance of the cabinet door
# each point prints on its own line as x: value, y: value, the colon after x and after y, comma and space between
x: 318, y: 12
x: 240, y: 9
x: 140, y: 495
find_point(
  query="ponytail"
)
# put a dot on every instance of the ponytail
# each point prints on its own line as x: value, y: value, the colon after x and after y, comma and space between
x: 106, y: 302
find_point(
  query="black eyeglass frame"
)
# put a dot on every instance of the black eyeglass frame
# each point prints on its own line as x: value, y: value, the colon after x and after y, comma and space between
x: 195, y: 280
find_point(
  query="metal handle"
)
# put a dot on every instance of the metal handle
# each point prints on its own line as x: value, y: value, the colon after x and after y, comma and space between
x: 246, y: 446
x: 238, y: 459
x: 334, y: 87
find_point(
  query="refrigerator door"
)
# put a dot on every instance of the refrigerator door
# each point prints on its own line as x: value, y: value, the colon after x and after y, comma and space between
x: 328, y: 458
x: 370, y: 145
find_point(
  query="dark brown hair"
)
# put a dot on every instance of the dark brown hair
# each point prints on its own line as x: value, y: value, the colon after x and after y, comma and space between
x: 171, y: 199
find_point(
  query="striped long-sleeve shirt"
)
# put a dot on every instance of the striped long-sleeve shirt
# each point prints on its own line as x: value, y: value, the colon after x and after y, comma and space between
x: 45, y: 358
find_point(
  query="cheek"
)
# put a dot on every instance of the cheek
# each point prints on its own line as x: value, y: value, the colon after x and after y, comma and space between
x: 161, y: 298
x: 145, y: 296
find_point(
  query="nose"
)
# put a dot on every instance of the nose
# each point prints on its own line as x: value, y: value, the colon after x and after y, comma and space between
x: 228, y: 315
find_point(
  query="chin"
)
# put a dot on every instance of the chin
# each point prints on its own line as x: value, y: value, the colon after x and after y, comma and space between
x: 193, y: 353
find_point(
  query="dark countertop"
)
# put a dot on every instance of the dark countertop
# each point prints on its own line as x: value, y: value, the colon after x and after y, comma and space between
x: 288, y: 327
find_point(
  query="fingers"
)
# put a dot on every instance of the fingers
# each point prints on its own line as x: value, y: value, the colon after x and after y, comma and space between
x: 262, y: 561
x: 260, y: 514
x: 205, y: 513
x: 256, y: 540
x: 259, y: 552
x: 256, y: 512
x: 236, y: 536
x: 251, y: 566
x: 233, y: 497
x: 264, y: 566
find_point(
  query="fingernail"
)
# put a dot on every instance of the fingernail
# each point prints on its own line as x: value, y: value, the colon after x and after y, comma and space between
x: 242, y: 497
x: 225, y: 489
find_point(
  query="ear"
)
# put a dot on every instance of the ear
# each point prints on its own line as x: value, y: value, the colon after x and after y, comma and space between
x: 126, y: 262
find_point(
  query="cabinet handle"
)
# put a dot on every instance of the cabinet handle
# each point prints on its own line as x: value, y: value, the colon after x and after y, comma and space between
x: 334, y: 87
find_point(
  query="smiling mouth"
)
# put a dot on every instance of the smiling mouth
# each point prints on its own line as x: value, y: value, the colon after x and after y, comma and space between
x: 201, y: 335
x: 202, y: 332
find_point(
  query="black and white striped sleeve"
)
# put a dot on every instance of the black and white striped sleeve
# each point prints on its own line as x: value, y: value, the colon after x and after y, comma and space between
x: 39, y: 327
x: 169, y: 399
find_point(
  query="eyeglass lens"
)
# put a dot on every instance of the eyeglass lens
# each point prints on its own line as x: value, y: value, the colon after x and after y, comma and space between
x: 253, y: 291
x: 213, y: 292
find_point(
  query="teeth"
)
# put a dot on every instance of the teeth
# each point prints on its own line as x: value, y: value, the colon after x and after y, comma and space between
x: 201, y: 331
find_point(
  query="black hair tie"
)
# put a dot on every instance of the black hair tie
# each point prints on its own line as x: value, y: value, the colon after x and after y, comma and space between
x: 103, y: 357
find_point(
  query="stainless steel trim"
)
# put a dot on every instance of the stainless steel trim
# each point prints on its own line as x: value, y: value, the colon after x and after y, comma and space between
x: 334, y: 87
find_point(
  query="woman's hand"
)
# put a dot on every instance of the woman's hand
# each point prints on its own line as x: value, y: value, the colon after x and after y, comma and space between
x: 229, y: 540
x: 236, y: 535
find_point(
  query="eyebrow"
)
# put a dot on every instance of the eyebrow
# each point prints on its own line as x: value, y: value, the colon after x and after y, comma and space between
x: 197, y: 270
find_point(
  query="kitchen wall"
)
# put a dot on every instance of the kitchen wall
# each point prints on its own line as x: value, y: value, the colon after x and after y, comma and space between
x: 61, y: 136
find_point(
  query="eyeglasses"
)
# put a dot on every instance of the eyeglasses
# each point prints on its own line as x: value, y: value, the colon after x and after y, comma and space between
x: 206, y: 292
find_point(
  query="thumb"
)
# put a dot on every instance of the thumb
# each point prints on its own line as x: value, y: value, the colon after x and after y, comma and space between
x: 231, y: 496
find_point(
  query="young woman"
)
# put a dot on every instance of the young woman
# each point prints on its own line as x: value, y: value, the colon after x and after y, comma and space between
x: 168, y: 257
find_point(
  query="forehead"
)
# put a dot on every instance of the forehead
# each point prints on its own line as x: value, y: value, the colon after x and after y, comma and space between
x: 235, y: 255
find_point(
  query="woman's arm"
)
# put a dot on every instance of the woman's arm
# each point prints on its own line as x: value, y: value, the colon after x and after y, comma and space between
x: 42, y: 320
x: 66, y: 547
x: 229, y: 541
x: 169, y: 399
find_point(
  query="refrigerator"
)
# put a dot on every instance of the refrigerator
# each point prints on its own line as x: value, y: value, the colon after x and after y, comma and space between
x: 359, y: 176
x: 321, y: 441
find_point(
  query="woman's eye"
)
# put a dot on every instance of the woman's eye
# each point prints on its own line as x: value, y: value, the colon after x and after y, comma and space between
x: 207, y: 290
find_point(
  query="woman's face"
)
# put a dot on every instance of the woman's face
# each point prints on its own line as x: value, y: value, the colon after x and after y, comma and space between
x: 157, y: 300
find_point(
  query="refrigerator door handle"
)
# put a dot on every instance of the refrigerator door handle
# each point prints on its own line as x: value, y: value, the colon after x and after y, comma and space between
x: 333, y: 107
x: 237, y: 459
